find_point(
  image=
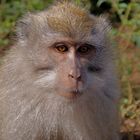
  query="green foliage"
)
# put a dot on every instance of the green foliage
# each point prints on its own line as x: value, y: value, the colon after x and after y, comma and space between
x: 127, y: 13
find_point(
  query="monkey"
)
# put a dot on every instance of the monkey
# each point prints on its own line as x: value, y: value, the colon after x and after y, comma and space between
x: 58, y: 82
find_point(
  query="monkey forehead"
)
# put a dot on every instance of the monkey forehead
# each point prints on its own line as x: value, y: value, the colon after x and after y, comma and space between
x: 65, y: 19
x: 68, y: 19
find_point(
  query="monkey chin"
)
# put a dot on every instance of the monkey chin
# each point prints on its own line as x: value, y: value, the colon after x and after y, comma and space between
x: 73, y: 94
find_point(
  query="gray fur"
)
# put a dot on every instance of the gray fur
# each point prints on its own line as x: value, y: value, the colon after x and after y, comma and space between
x: 30, y: 109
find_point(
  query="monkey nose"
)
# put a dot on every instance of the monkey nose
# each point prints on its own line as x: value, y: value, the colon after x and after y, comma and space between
x: 75, y: 75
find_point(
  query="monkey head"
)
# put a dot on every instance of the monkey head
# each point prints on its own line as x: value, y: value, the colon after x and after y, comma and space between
x: 67, y: 49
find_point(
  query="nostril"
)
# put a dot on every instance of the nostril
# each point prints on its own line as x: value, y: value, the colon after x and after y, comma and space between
x: 79, y: 78
x: 71, y: 76
x: 76, y: 77
x: 75, y: 74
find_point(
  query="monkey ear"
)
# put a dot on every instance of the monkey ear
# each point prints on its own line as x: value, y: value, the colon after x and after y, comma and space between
x: 23, y: 27
x: 103, y: 25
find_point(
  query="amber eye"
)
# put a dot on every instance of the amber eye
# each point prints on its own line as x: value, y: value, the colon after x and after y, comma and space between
x: 61, y: 48
x: 84, y: 49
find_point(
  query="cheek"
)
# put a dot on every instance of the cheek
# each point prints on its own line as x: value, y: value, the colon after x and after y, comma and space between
x: 62, y: 77
x: 95, y: 80
x: 46, y: 80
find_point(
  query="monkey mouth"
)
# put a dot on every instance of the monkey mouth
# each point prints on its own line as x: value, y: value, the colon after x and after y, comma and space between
x: 76, y: 92
x: 72, y: 94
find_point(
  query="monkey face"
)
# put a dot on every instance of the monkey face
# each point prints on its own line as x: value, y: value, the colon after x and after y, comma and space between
x: 71, y: 70
x: 68, y: 54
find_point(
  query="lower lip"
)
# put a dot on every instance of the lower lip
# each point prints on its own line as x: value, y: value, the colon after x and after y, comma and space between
x: 71, y: 95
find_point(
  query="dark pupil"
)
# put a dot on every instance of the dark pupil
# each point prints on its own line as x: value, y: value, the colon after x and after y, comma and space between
x: 83, y: 49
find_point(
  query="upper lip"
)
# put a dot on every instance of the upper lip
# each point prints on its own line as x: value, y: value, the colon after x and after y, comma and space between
x: 76, y: 91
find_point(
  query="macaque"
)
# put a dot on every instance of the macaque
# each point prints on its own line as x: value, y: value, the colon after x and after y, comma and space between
x: 58, y: 82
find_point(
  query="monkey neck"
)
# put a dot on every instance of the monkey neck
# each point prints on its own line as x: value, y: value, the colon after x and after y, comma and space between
x: 74, y: 120
x: 56, y: 118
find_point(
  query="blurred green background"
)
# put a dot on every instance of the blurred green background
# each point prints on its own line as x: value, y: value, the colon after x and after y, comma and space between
x: 125, y: 18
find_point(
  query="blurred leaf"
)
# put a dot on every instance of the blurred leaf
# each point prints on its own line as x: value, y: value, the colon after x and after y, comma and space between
x: 4, y: 42
x: 114, y: 31
x: 136, y: 39
x: 123, y: 5
x: 100, y: 2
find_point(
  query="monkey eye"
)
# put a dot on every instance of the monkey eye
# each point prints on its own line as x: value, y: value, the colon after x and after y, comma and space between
x: 61, y: 48
x: 84, y: 49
